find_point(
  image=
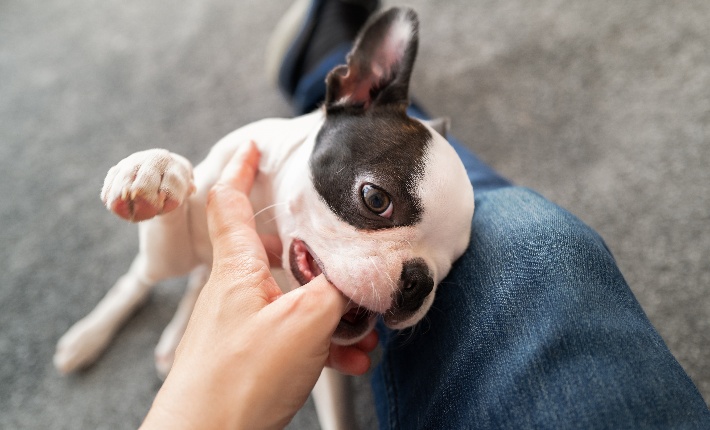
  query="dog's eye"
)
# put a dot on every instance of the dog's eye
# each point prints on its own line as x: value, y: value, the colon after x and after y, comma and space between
x: 377, y: 200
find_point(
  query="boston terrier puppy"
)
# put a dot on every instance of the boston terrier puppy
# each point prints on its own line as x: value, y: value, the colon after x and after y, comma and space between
x: 375, y: 200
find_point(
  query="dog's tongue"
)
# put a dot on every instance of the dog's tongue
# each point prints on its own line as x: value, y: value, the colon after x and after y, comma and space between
x: 306, y: 264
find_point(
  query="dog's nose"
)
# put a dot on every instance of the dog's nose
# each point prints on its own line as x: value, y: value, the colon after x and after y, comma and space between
x: 415, y: 285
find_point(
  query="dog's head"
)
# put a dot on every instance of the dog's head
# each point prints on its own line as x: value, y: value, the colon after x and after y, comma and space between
x: 388, y: 205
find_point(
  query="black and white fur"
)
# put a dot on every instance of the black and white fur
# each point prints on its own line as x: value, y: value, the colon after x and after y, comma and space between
x: 377, y: 201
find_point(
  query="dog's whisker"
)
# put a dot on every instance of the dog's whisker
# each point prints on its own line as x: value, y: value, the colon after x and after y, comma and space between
x: 393, y: 285
x: 350, y: 301
x: 267, y: 208
x: 275, y: 254
x: 374, y: 290
x: 268, y: 221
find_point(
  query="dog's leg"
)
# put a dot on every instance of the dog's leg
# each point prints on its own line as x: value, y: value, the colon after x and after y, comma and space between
x: 165, y: 253
x: 332, y: 399
x: 169, y: 340
x: 87, y: 338
x: 140, y: 187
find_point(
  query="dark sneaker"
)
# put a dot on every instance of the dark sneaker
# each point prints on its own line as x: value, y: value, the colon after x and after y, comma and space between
x: 308, y: 32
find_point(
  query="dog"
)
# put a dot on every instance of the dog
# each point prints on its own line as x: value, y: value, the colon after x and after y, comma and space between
x: 377, y: 201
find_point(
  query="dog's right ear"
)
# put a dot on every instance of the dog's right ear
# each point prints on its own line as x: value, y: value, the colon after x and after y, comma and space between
x: 379, y: 66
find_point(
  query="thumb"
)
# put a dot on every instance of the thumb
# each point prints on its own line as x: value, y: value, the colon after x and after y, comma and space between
x: 314, y: 308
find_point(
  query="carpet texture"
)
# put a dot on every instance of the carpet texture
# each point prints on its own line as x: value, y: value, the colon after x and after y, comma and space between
x: 603, y: 107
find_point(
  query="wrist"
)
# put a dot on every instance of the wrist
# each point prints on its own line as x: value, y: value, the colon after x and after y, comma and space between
x: 198, y: 400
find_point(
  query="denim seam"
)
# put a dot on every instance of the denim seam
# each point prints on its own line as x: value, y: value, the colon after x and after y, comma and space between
x: 391, y: 395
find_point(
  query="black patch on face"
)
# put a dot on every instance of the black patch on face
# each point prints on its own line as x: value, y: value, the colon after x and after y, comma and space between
x: 380, y: 146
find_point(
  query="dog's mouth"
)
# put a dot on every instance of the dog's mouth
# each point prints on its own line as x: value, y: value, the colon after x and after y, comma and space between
x: 305, y: 266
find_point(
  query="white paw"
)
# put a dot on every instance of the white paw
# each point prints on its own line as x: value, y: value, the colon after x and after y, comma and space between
x: 146, y: 184
x: 164, y: 353
x: 80, y: 346
x: 164, y: 362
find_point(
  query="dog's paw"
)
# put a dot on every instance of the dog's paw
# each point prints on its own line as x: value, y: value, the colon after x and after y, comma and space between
x: 146, y: 184
x: 164, y: 361
x: 164, y: 353
x: 79, y: 347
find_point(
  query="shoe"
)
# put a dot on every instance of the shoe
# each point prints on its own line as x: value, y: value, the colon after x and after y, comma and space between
x: 306, y: 33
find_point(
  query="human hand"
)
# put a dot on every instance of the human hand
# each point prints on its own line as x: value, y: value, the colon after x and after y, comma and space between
x: 250, y: 355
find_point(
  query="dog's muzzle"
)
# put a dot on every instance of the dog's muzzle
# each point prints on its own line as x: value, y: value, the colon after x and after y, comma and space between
x: 305, y: 266
x: 415, y: 285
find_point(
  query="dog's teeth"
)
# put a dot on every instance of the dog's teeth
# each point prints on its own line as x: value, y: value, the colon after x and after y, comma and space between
x: 124, y: 193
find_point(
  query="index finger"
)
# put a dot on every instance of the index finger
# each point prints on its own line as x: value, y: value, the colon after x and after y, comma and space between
x: 229, y: 196
x: 241, y: 169
x: 230, y: 216
x: 239, y: 253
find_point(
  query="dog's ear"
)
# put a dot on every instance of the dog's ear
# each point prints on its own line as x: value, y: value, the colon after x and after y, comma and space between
x: 440, y: 125
x: 379, y: 66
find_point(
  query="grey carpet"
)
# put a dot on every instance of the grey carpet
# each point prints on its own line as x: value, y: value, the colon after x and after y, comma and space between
x: 602, y: 106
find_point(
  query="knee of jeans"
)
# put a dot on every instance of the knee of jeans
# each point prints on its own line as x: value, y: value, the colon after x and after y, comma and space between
x: 521, y: 229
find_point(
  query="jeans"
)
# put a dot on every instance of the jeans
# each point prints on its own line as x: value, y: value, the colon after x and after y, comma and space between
x: 534, y: 327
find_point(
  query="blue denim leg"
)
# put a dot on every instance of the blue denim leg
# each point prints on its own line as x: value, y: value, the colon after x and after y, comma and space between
x: 534, y: 327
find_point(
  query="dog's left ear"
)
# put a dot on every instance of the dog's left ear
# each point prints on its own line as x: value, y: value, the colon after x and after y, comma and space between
x: 379, y: 65
x: 440, y: 125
